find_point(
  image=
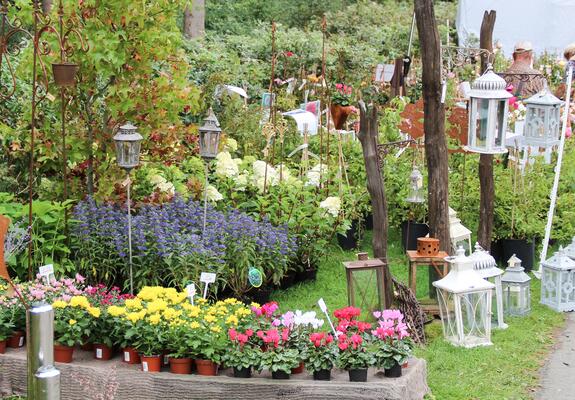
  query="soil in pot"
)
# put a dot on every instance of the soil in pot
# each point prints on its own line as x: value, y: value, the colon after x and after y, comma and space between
x: 350, y: 241
x: 151, y: 363
x: 181, y: 366
x: 130, y: 356
x: 410, y: 231
x: 280, y: 375
x: 3, y: 344
x: 63, y: 354
x: 17, y: 339
x: 298, y: 369
x: 524, y: 249
x: 206, y: 368
x: 358, y: 375
x: 322, y: 375
x: 393, y: 372
x: 240, y: 372
x: 102, y: 352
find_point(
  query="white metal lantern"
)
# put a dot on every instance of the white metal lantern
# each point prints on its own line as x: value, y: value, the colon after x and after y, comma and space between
x: 487, y: 114
x: 210, y: 136
x: 558, y: 282
x: 465, y: 303
x: 486, y: 266
x: 416, y: 194
x: 128, y: 142
x: 516, y: 288
x: 542, y: 120
x: 459, y: 234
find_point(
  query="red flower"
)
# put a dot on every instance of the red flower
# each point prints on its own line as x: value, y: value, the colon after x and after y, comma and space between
x: 288, y: 54
x: 232, y: 333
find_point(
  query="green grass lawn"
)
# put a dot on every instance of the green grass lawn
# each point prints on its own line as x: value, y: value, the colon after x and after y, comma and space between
x: 506, y: 370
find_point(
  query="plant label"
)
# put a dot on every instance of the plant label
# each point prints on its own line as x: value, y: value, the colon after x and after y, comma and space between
x: 127, y: 356
x: 98, y: 353
x: 207, y: 278
x: 145, y: 366
x: 126, y: 182
x: 323, y: 307
x: 191, y: 290
x: 166, y: 359
x: 46, y: 271
x: 21, y: 341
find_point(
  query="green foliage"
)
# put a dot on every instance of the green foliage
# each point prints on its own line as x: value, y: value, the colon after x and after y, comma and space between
x: 7, y: 324
x: 280, y: 359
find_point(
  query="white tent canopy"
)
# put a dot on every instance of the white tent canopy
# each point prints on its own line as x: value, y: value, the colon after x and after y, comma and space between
x: 547, y: 24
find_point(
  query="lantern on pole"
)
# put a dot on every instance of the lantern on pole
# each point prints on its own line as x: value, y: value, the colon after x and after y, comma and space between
x: 486, y: 266
x: 516, y: 288
x: 416, y: 194
x: 209, y: 143
x: 465, y: 303
x: 542, y: 120
x: 128, y: 142
x: 558, y: 282
x: 487, y: 114
x: 459, y: 234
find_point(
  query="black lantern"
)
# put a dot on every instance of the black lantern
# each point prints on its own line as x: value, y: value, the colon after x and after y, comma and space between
x: 128, y: 142
x: 210, y: 136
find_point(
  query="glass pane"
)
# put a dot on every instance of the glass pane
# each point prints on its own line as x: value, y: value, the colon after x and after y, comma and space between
x: 499, y: 123
x: 482, y: 114
x: 567, y: 287
x: 549, y: 287
x: 476, y: 319
x: 447, y: 311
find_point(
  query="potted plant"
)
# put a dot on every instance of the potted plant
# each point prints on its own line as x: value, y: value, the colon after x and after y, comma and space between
x: 277, y: 356
x: 6, y: 323
x: 179, y: 356
x: 414, y: 226
x: 73, y: 321
x: 208, y: 342
x: 243, y: 355
x: 321, y: 355
x: 352, y: 342
x: 392, y: 345
x: 18, y: 336
x: 341, y: 106
x: 124, y: 317
x: 148, y: 336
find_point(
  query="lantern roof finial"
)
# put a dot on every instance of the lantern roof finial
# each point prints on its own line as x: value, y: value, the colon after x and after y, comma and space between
x: 515, y: 273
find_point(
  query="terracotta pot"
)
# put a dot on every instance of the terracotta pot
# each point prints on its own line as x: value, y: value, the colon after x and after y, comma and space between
x: 339, y: 115
x: 151, y: 363
x: 3, y: 344
x: 17, y: 339
x: 298, y: 369
x: 427, y: 246
x: 63, y: 354
x: 102, y: 351
x: 65, y: 74
x: 206, y: 368
x: 405, y: 364
x: 130, y: 356
x: 180, y: 365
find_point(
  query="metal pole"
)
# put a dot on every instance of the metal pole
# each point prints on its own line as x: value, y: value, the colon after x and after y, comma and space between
x: 557, y: 174
x: 411, y: 35
x: 129, y: 204
x: 206, y: 172
x: 43, y: 378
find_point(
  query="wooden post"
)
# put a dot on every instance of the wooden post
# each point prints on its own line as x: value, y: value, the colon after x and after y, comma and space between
x: 486, y: 180
x: 397, y: 81
x: 434, y: 124
x: 367, y: 135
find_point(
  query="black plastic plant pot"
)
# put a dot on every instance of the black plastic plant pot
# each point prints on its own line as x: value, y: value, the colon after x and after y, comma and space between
x: 240, y: 372
x: 410, y: 231
x: 288, y: 280
x: 280, y: 375
x: 261, y: 295
x: 322, y: 375
x: 358, y: 375
x: 524, y: 249
x: 310, y: 274
x: 393, y: 372
x: 349, y: 241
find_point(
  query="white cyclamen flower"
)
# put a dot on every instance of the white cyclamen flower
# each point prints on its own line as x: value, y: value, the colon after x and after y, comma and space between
x: 332, y: 205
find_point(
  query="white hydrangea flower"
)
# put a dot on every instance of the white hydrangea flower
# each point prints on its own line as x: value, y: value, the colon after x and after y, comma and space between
x: 226, y: 166
x: 231, y: 145
x: 313, y: 175
x: 157, y: 180
x: 332, y: 205
x: 241, y: 181
x: 166, y: 187
x: 213, y: 194
x: 261, y: 175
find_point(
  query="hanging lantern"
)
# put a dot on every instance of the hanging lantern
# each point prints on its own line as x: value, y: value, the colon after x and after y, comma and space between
x: 487, y: 114
x: 128, y: 142
x: 210, y: 136
x: 459, y: 234
x: 416, y: 194
x: 486, y: 266
x: 542, y: 120
x: 516, y: 288
x: 558, y: 282
x: 465, y: 303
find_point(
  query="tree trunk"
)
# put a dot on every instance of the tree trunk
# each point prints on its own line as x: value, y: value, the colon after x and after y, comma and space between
x: 434, y: 124
x: 368, y: 133
x: 486, y: 181
x: 46, y: 6
x: 187, y: 23
x: 195, y: 19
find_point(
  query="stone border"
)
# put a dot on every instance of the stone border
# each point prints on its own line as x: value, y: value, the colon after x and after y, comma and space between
x: 89, y: 379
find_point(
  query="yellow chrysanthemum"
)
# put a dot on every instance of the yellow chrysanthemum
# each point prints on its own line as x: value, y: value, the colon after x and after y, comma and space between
x: 72, y: 322
x: 194, y: 325
x: 232, y: 320
x: 135, y: 303
x: 150, y: 293
x: 176, y: 298
x: 80, y: 301
x: 216, y: 329
x: 59, y: 304
x: 210, y: 318
x: 255, y: 305
x: 116, y: 311
x: 134, y: 317
x: 243, y: 312
x: 94, y: 312
x: 201, y: 301
x: 231, y: 301
x: 171, y: 313
x: 154, y: 319
x: 157, y: 305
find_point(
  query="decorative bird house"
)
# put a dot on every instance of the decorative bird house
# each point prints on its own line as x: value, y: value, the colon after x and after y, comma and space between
x: 486, y: 266
x: 210, y: 136
x: 128, y: 142
x: 542, y: 120
x: 459, y: 234
x: 365, y: 284
x: 488, y: 114
x: 465, y: 303
x: 416, y: 193
x: 516, y: 288
x: 558, y: 282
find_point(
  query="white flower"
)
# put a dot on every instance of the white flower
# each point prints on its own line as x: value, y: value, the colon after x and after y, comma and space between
x: 230, y: 145
x: 241, y: 181
x: 213, y: 194
x: 225, y: 166
x: 313, y: 174
x: 157, y: 179
x: 307, y: 318
x: 262, y: 175
x: 166, y: 187
x: 332, y: 205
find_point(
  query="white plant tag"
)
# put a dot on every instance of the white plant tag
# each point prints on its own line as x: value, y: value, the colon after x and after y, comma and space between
x: 45, y: 271
x: 207, y: 278
x: 21, y: 341
x: 127, y: 356
x: 145, y: 366
x: 98, y: 353
x: 191, y: 290
x: 166, y: 359
x: 323, y: 308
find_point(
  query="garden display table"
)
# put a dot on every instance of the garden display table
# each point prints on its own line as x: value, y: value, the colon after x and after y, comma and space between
x: 437, y: 262
x: 89, y: 379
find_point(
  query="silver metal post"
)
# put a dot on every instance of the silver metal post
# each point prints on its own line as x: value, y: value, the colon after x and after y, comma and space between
x: 411, y: 35
x: 205, y: 196
x: 43, y: 378
x: 129, y: 204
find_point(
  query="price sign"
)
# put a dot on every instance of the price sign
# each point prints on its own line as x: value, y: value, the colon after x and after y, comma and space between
x: 207, y: 278
x: 46, y: 271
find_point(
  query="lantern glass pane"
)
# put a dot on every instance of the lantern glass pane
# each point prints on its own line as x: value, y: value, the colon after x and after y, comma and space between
x: 365, y: 289
x: 554, y: 123
x: 447, y: 311
x: 549, y: 286
x: 128, y: 153
x: 209, y: 142
x: 567, y: 287
x: 500, y: 127
x: 476, y: 318
x: 516, y: 298
x: 481, y: 118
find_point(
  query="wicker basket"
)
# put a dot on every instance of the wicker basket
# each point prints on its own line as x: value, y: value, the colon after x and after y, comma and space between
x: 427, y: 246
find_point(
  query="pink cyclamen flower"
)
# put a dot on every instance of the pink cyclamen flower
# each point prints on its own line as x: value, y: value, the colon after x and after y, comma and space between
x: 339, y: 86
x: 80, y: 278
